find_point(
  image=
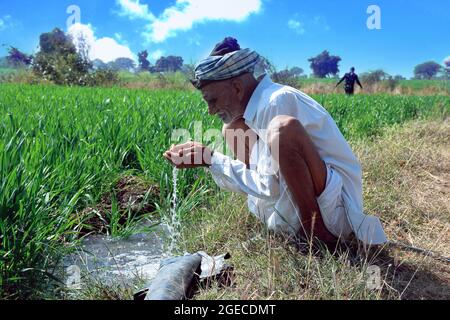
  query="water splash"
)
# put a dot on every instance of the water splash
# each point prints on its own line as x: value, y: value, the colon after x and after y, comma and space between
x: 112, y: 261
x: 173, y: 223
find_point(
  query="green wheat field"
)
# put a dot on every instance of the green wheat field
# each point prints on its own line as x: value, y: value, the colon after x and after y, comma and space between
x: 61, y: 148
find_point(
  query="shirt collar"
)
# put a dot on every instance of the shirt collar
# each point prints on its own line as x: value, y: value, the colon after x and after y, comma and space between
x: 253, y: 104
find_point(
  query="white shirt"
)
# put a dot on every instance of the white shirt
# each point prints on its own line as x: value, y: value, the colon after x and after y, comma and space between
x: 268, y: 195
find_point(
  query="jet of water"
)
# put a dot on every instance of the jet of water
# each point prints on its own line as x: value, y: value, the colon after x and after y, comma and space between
x: 173, y: 222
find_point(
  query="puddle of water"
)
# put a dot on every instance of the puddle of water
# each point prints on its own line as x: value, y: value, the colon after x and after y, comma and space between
x: 118, y: 261
x: 121, y: 261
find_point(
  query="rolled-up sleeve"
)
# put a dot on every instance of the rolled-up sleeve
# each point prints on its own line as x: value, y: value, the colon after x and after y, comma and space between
x: 233, y: 175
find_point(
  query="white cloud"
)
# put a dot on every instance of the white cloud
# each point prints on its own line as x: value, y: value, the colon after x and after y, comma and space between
x: 105, y: 49
x: 157, y: 54
x: 297, y: 26
x: 135, y: 10
x: 6, y: 22
x: 118, y: 36
x: 321, y: 21
x: 194, y: 40
x: 302, y: 24
x: 447, y: 61
x: 184, y: 14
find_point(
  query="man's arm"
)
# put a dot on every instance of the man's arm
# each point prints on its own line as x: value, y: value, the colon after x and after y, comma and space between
x: 340, y: 81
x: 359, y: 83
x: 235, y: 176
x: 228, y: 173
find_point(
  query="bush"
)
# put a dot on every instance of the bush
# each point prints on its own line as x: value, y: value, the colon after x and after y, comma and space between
x: 58, y: 60
x: 391, y: 83
x: 283, y: 77
x: 373, y: 77
x: 65, y: 70
x: 289, y: 77
x: 168, y: 80
x: 20, y: 75
x: 103, y: 77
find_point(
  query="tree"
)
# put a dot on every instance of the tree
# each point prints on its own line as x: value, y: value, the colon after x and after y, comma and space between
x: 59, y: 61
x: 82, y: 46
x: 4, y: 62
x: 324, y: 64
x: 447, y: 67
x: 125, y: 64
x: 189, y: 70
x: 296, y: 72
x: 169, y: 64
x: 288, y: 76
x: 56, y: 42
x: 427, y: 70
x: 98, y: 64
x: 269, y: 66
x: 374, y: 76
x: 144, y: 64
x: 16, y: 58
x: 280, y: 76
x: 399, y: 77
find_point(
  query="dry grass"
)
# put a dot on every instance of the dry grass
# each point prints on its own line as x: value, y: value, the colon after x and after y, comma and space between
x: 411, y: 168
x: 379, y: 87
x: 155, y: 81
x: 406, y: 183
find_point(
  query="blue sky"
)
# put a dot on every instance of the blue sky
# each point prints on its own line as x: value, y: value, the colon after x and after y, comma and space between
x: 287, y: 32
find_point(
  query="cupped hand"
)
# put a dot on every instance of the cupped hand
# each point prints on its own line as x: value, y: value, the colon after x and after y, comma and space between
x: 189, y: 155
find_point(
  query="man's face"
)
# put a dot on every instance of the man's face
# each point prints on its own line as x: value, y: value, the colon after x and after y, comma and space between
x: 222, y: 100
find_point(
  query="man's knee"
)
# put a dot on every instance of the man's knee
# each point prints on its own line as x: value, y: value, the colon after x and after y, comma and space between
x: 289, y: 142
x: 285, y: 133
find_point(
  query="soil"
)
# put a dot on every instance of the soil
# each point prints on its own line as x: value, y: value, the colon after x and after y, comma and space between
x: 134, y: 197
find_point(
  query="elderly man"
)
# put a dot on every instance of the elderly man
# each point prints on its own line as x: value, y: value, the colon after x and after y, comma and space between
x: 300, y: 174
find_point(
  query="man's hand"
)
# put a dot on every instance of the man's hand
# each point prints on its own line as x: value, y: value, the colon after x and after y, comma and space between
x: 189, y: 155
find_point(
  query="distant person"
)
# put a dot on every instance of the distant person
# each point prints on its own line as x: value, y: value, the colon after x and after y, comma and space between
x: 350, y: 79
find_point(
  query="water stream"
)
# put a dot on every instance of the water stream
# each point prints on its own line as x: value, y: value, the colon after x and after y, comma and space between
x: 172, y: 222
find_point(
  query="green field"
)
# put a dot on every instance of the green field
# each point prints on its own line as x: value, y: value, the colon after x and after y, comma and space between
x: 6, y: 70
x: 422, y: 84
x: 179, y: 80
x: 61, y: 148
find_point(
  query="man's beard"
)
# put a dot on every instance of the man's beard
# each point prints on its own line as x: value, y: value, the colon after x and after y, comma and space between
x: 228, y: 118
